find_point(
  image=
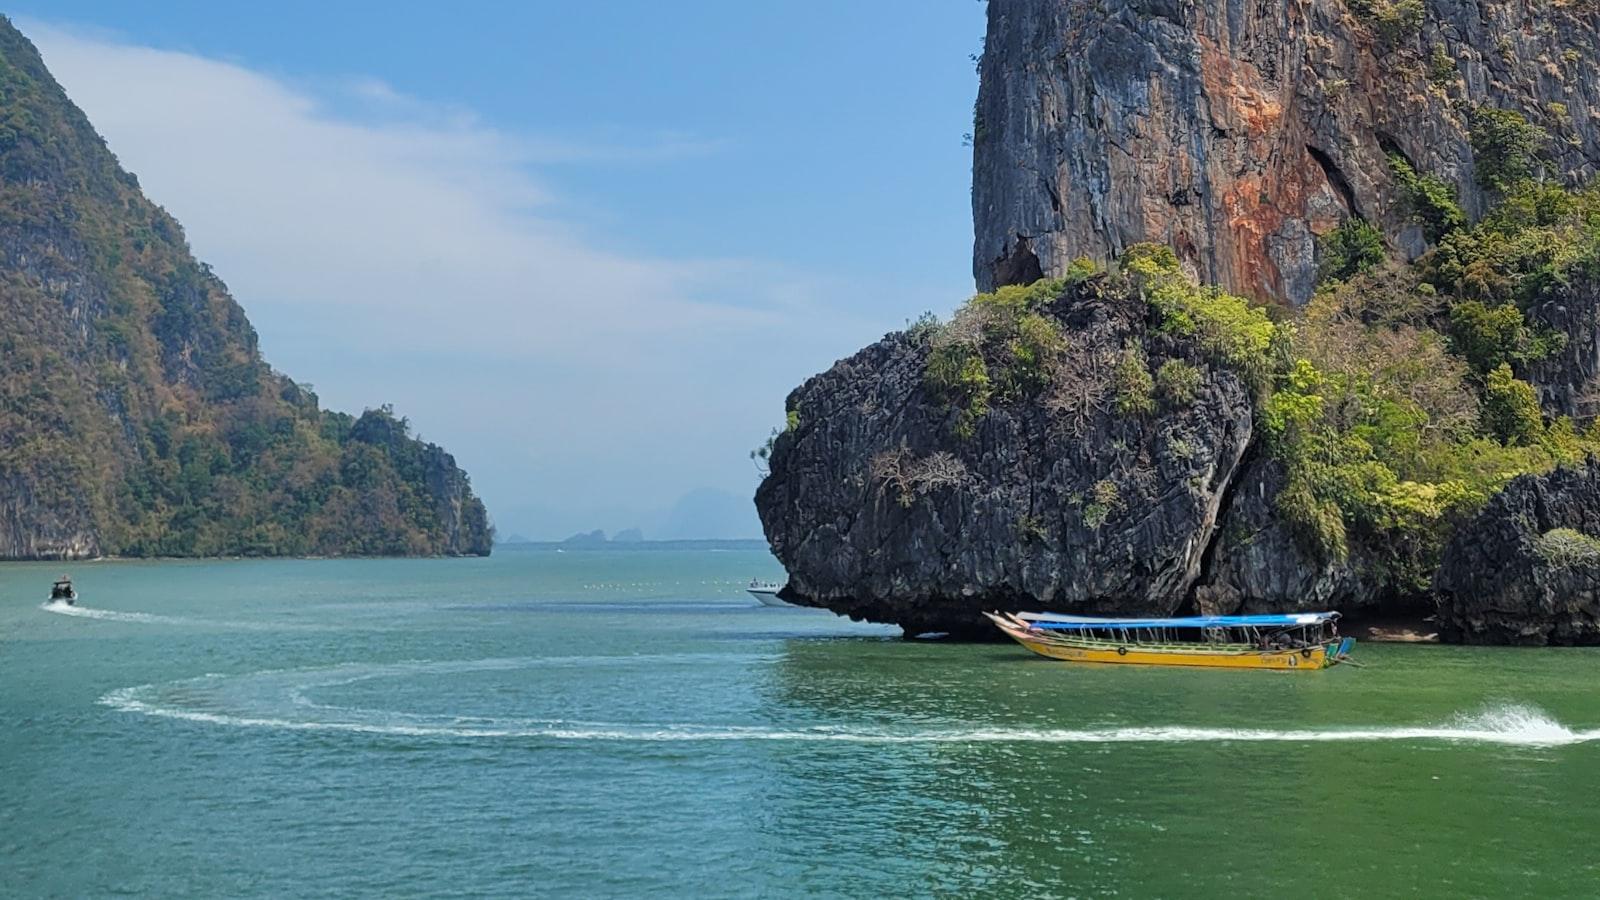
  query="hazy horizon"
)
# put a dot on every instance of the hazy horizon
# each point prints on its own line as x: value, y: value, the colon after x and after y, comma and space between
x: 593, y: 285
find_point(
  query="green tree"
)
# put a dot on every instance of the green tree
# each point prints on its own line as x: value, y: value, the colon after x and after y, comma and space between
x: 1505, y: 147
x: 1354, y: 247
x: 1511, y: 408
x: 1487, y: 337
x: 1429, y: 200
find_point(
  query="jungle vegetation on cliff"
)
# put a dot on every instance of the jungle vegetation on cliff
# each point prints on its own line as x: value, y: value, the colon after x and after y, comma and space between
x: 1395, y: 403
x: 137, y: 416
x: 1391, y: 198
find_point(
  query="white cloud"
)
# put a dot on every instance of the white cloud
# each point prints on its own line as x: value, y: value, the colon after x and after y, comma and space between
x: 433, y: 221
x: 392, y: 250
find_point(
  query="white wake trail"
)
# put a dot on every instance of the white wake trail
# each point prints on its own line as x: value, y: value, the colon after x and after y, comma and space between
x: 1506, y: 725
x: 112, y: 615
x: 109, y: 615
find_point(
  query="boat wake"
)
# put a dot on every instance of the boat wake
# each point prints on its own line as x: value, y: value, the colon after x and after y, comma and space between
x: 113, y: 615
x: 109, y: 615
x: 281, y: 700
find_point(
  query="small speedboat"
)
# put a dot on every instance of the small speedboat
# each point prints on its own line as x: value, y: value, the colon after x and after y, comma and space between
x: 767, y: 593
x: 62, y: 591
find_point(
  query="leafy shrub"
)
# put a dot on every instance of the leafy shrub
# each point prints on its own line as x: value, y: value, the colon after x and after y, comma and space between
x: 1511, y: 408
x: 1104, y: 499
x: 1568, y: 548
x: 1525, y: 251
x: 997, y: 347
x: 1352, y: 248
x: 1394, y: 20
x: 1178, y: 383
x: 1081, y: 270
x: 1031, y: 529
x: 1367, y: 426
x: 1031, y: 348
x: 1441, y: 67
x: 1229, y: 329
x: 923, y: 328
x: 1135, y: 389
x: 1488, y: 337
x: 1505, y: 147
x: 1020, y: 298
x: 1429, y: 200
x: 761, y: 457
x: 958, y: 377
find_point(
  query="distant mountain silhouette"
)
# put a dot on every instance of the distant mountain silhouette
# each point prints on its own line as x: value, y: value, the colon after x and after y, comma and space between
x: 711, y: 513
x: 586, y: 538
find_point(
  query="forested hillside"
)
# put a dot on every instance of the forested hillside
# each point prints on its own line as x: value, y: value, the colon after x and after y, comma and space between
x: 137, y: 416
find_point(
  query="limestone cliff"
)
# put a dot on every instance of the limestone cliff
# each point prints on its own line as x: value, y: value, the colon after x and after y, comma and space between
x: 137, y: 416
x: 1527, y: 569
x: 879, y: 511
x: 1236, y: 132
x: 1131, y: 436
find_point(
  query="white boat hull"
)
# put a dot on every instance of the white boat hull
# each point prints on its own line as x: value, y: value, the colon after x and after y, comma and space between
x: 768, y: 596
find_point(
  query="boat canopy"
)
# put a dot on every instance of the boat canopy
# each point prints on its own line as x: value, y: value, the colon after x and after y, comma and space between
x: 1084, y: 623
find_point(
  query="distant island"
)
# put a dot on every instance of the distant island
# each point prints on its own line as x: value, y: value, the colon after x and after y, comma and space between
x: 590, y: 538
x: 137, y: 416
x: 589, y: 541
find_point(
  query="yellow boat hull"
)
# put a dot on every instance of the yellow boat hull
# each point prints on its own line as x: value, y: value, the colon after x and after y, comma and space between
x: 1307, y: 659
x: 1228, y: 656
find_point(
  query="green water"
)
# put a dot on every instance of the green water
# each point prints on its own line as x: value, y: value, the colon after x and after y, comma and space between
x: 616, y: 723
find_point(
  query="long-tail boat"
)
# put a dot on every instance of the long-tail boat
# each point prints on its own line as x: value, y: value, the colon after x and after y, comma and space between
x: 1290, y: 642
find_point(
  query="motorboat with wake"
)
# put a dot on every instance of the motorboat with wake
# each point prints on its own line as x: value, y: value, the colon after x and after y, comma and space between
x: 62, y: 591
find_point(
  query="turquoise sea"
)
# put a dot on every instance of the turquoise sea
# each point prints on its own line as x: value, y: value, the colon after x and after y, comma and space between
x: 616, y: 723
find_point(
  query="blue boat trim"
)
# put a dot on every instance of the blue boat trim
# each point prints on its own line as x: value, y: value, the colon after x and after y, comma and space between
x: 1286, y: 620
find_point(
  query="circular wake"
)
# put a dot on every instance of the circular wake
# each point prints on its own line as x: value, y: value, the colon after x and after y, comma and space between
x: 280, y: 700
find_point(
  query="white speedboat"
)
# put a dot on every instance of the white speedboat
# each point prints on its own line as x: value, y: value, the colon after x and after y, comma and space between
x: 767, y: 593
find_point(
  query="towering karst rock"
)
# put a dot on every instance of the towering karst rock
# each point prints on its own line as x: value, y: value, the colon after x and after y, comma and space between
x: 137, y: 416
x: 1126, y: 437
x: 1237, y: 131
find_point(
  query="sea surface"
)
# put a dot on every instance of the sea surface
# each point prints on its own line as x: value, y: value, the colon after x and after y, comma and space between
x: 624, y: 722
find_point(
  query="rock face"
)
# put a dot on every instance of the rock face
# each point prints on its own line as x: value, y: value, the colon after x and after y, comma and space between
x: 137, y: 416
x: 878, y: 512
x: 1236, y: 132
x: 1258, y: 566
x: 1567, y: 382
x: 1526, y: 570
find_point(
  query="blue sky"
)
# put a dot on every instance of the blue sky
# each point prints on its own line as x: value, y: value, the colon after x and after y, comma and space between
x: 587, y: 247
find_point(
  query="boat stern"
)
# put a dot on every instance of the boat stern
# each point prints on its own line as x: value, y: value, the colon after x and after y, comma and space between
x: 1337, y: 651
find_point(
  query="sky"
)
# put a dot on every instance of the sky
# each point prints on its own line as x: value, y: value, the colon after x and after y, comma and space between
x: 588, y: 248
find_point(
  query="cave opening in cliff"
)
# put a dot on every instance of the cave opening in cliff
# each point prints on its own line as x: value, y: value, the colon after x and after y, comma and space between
x: 1337, y: 179
x: 1020, y: 266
